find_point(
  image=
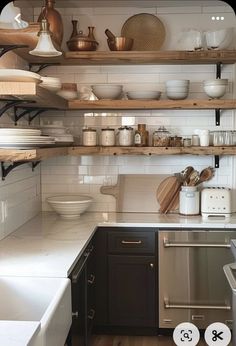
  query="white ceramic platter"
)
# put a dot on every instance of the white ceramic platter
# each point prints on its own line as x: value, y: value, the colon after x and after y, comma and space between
x: 14, y: 75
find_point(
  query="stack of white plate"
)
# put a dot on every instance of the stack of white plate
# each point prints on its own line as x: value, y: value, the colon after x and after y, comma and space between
x: 15, y: 75
x: 51, y: 83
x: 60, y: 134
x: 23, y: 138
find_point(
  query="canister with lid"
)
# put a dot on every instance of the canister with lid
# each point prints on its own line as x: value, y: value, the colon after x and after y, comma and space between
x: 108, y: 137
x: 189, y: 200
x: 125, y: 136
x: 89, y: 137
x: 161, y: 137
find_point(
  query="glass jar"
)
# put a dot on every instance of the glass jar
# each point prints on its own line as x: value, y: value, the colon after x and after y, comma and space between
x: 89, y: 138
x: 161, y: 137
x: 141, y: 136
x: 108, y: 137
x: 125, y: 136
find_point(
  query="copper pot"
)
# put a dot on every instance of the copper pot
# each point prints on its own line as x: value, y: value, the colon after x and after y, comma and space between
x: 120, y: 43
x: 81, y: 42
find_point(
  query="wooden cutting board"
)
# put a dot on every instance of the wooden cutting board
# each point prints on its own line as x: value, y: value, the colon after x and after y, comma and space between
x: 168, y: 194
x: 135, y: 192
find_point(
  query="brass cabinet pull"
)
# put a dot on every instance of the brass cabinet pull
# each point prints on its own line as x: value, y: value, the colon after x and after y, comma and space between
x: 131, y: 242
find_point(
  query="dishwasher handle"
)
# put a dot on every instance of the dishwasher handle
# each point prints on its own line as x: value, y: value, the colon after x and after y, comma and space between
x: 228, y: 270
x: 167, y: 243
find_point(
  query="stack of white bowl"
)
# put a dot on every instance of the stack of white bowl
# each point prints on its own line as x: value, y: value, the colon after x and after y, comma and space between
x: 215, y: 88
x: 177, y: 89
x: 51, y: 83
x: 60, y: 134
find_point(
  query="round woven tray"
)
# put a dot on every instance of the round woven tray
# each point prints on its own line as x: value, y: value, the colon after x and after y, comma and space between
x: 147, y: 31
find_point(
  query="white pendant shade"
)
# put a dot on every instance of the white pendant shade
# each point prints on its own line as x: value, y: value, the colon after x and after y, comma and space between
x: 45, y: 47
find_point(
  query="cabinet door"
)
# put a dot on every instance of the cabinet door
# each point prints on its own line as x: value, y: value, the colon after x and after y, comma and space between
x: 91, y: 284
x: 132, y: 291
x: 78, y: 328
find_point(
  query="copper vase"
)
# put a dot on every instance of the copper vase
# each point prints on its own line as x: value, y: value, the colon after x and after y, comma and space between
x: 54, y: 19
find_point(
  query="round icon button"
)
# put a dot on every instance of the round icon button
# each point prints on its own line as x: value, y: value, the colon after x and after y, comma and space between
x: 217, y: 334
x: 186, y: 334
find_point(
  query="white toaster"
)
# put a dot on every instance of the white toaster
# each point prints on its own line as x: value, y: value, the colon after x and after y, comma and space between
x: 216, y: 201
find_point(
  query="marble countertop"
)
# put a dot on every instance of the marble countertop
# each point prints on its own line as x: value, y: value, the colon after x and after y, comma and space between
x: 48, y: 246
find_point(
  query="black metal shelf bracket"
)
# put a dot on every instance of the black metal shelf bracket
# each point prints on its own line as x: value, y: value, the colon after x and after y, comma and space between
x: 35, y: 164
x: 12, y: 103
x: 7, y: 169
x: 217, y: 161
x: 218, y: 69
x: 41, y: 66
x: 217, y: 116
x: 28, y: 110
x: 4, y: 48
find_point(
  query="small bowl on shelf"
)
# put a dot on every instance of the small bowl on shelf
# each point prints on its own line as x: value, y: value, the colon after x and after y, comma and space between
x: 120, y: 43
x: 69, y: 207
x: 107, y: 91
x: 143, y: 94
x: 219, y: 39
x: 215, y: 88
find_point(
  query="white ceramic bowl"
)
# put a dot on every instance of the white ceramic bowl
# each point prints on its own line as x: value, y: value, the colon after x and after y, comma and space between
x: 69, y: 206
x: 179, y: 89
x: 107, y: 91
x: 219, y: 39
x: 175, y: 95
x: 217, y: 81
x: 51, y: 83
x: 215, y: 91
x: 177, y: 83
x: 68, y: 94
x: 143, y: 94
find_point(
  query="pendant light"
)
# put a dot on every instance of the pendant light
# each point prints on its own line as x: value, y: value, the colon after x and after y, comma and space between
x: 45, y: 47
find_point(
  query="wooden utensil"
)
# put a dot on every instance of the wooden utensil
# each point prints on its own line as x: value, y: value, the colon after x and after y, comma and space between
x: 205, y: 175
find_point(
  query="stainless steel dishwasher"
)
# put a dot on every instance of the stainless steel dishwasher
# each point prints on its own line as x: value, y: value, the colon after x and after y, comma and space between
x: 192, y: 285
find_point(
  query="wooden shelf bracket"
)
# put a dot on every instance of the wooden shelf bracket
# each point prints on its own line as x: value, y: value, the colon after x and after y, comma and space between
x: 6, y: 170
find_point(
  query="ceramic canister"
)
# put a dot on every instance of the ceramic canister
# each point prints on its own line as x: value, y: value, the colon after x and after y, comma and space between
x: 189, y: 201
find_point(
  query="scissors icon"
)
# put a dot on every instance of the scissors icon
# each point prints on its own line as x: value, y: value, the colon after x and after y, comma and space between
x: 216, y: 335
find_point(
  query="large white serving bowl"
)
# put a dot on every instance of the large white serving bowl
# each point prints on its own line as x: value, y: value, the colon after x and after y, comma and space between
x: 219, y: 39
x: 28, y: 302
x: 143, y: 94
x: 69, y: 206
x: 107, y: 91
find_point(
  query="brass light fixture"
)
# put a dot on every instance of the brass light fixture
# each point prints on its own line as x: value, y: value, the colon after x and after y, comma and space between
x: 45, y: 47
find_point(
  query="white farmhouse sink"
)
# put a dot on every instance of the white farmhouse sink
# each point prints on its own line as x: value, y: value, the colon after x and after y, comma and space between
x: 46, y: 301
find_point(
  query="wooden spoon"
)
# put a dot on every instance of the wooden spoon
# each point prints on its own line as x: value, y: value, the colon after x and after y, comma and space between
x: 193, y: 178
x: 205, y: 175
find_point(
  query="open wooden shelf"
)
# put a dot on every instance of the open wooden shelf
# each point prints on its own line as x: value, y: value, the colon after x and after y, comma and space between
x: 37, y: 154
x: 150, y: 57
x: 80, y: 150
x: 32, y: 91
x: 153, y: 104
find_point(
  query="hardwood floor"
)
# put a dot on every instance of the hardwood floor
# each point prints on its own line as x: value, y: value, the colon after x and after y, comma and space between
x: 112, y: 340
